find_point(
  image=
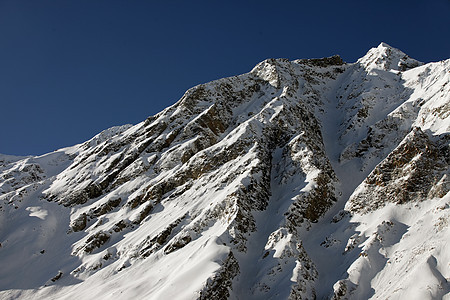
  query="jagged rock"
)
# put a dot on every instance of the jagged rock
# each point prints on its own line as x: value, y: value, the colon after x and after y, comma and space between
x: 335, y: 60
x: 96, y: 241
x: 416, y: 167
x: 57, y: 277
x: 218, y: 287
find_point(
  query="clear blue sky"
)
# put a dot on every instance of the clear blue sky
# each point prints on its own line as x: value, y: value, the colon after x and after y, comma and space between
x: 69, y: 69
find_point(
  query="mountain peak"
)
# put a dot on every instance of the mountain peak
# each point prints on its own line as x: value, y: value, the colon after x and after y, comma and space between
x: 386, y: 57
x: 384, y: 45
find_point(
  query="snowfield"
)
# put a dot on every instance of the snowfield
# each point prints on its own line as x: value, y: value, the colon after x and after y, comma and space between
x: 305, y: 179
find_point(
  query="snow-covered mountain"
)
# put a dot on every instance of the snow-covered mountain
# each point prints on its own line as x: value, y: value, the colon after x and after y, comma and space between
x: 303, y: 179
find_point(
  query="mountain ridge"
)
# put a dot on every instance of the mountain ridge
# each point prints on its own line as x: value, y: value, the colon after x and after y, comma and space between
x: 244, y: 189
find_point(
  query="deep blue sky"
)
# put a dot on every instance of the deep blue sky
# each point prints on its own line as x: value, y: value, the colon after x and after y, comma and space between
x: 69, y: 69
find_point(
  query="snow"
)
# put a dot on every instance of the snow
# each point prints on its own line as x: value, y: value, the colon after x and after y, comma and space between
x: 417, y: 240
x: 37, y: 211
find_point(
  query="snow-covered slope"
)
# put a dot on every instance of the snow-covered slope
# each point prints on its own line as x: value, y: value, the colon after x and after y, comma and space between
x: 301, y: 179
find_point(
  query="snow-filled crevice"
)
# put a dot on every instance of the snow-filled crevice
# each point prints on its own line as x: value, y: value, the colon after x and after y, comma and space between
x: 265, y: 269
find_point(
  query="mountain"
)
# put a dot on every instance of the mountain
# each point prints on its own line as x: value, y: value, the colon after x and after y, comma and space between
x: 304, y: 179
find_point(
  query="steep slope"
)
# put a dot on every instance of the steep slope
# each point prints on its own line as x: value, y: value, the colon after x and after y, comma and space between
x: 299, y: 179
x: 384, y: 152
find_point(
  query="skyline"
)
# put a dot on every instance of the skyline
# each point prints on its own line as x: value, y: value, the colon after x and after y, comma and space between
x: 69, y: 70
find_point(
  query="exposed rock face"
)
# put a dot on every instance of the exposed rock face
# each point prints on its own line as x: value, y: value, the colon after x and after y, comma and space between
x: 218, y: 286
x: 418, y: 169
x: 244, y: 189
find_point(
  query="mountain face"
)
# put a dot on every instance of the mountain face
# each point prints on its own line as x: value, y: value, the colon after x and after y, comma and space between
x: 305, y: 179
